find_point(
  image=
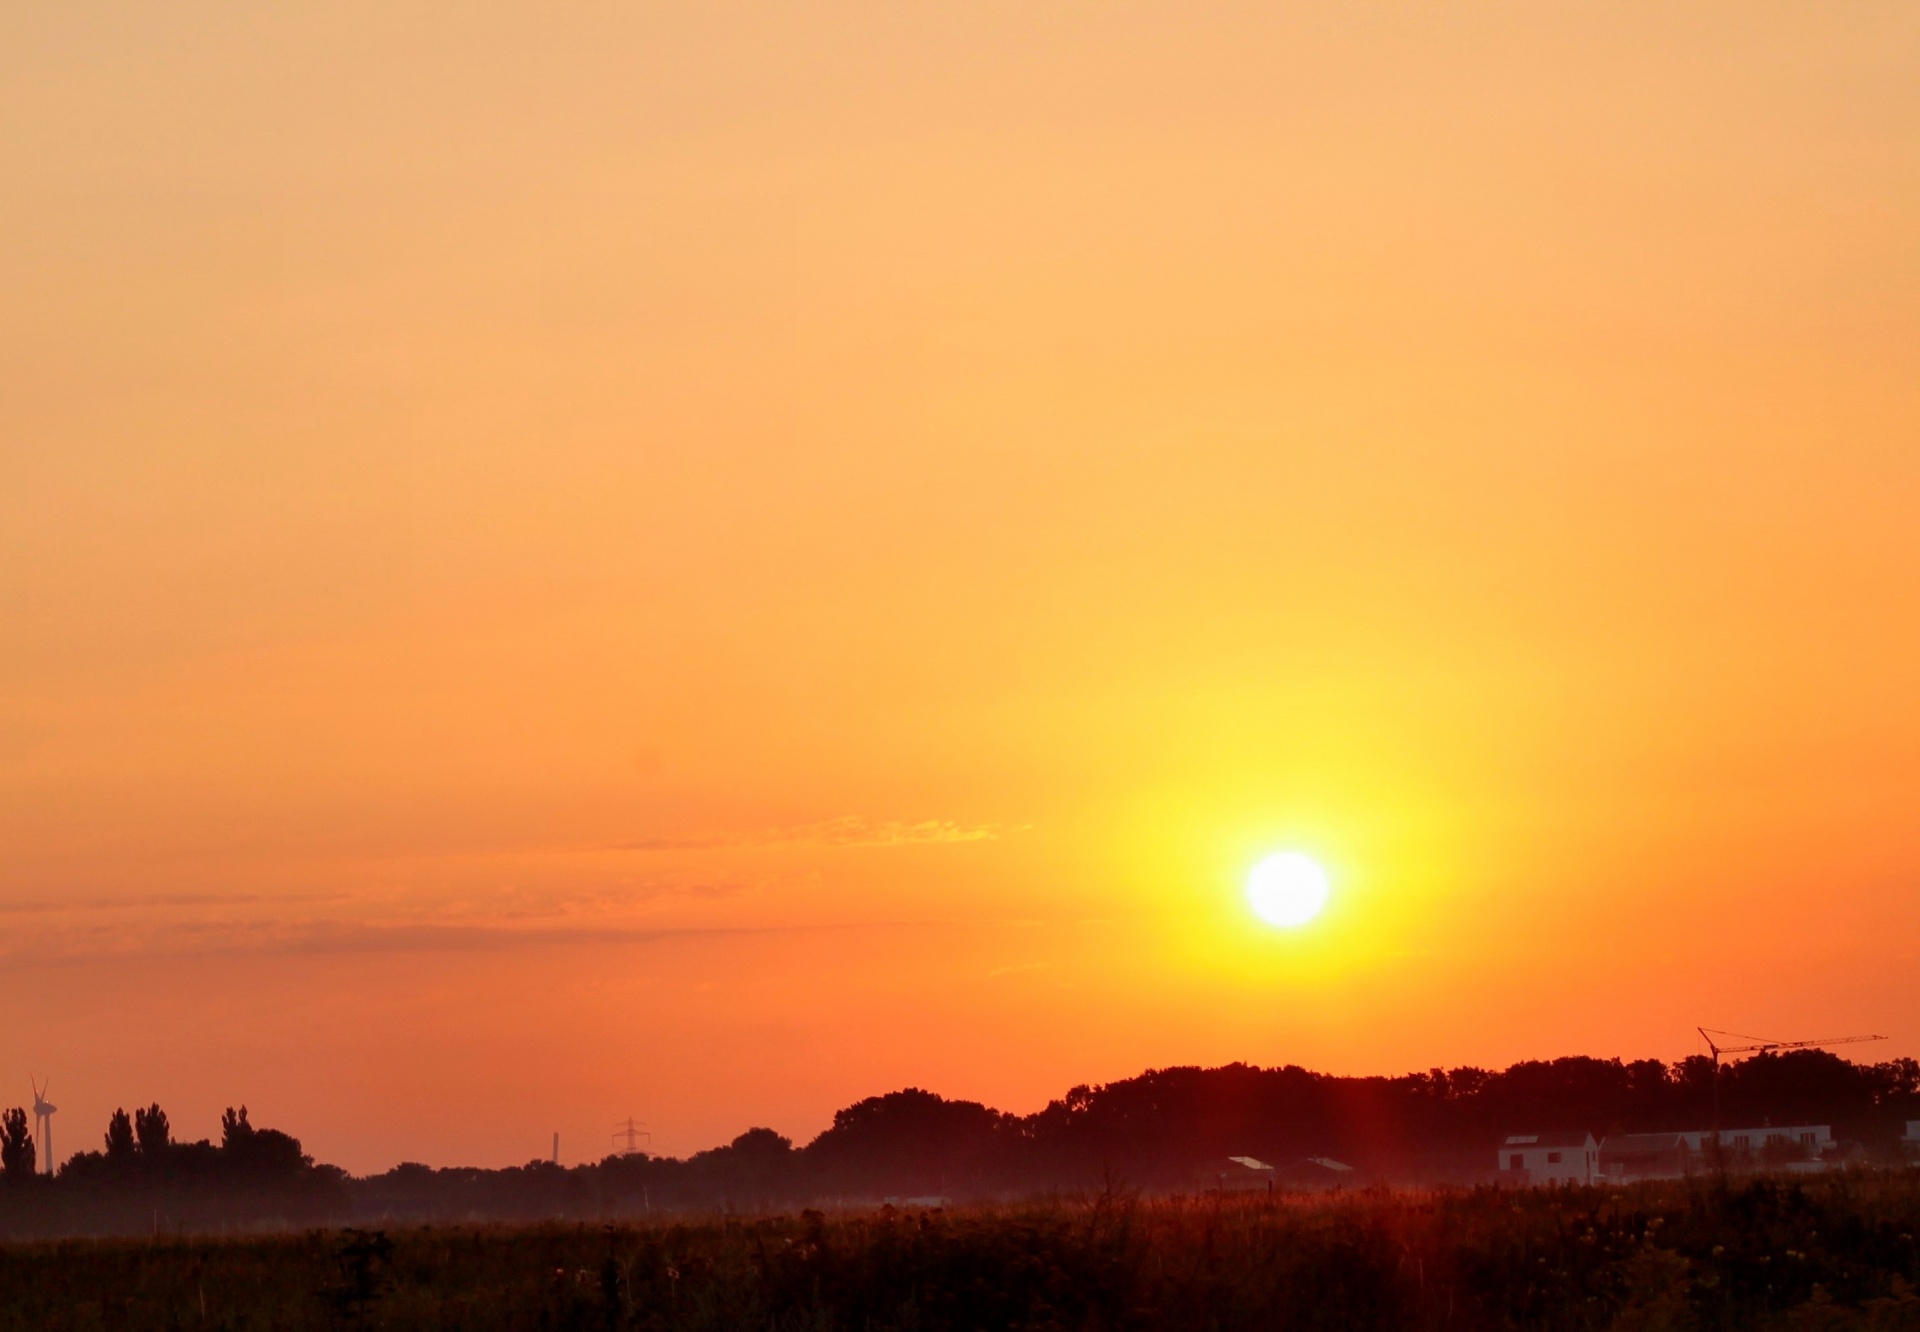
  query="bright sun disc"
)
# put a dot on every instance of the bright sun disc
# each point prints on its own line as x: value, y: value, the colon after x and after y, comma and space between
x: 1287, y: 889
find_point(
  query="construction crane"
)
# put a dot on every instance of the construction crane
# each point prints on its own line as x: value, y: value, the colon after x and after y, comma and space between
x: 1757, y: 1045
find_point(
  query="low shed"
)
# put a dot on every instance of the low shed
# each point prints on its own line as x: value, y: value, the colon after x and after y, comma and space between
x: 1315, y: 1172
x: 1236, y: 1174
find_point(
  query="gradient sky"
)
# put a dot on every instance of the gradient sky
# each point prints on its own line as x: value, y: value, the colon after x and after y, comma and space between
x: 708, y: 560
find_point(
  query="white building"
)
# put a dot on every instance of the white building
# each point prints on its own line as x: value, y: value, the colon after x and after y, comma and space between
x: 1567, y: 1157
x: 1236, y: 1174
x: 1911, y: 1139
x: 1629, y: 1156
x: 1814, y: 1140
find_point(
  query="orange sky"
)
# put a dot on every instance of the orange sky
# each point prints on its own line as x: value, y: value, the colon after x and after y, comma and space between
x: 704, y: 561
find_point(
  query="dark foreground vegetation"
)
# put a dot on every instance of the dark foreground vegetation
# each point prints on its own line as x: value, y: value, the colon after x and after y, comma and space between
x: 1831, y: 1252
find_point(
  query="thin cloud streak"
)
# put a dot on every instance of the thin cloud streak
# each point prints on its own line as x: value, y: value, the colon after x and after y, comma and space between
x: 348, y: 939
x: 849, y: 830
x: 162, y: 902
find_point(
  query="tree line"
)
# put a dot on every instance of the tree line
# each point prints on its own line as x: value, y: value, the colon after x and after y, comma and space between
x: 1152, y: 1131
x: 1156, y: 1130
x: 143, y: 1144
x: 142, y: 1178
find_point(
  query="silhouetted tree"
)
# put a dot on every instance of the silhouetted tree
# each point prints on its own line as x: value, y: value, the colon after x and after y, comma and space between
x: 910, y: 1141
x: 1796, y: 1087
x: 16, y: 1146
x: 762, y: 1144
x: 120, y: 1143
x: 259, y: 1153
x: 150, y: 1129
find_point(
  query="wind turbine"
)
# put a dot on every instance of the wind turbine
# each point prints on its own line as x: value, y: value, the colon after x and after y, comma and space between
x: 43, y: 1118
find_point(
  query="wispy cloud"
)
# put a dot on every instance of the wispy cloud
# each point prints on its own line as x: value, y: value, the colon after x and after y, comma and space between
x: 535, y: 902
x: 331, y: 938
x: 1016, y: 968
x: 318, y: 938
x: 81, y: 928
x: 663, y: 904
x: 157, y: 902
x: 848, y: 830
x: 511, y: 919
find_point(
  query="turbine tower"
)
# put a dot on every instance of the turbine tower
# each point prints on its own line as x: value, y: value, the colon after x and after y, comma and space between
x: 43, y: 1119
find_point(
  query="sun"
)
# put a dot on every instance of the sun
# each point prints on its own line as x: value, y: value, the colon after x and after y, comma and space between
x: 1287, y: 889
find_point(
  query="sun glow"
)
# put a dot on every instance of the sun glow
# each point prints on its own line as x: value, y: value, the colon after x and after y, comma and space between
x: 1287, y: 889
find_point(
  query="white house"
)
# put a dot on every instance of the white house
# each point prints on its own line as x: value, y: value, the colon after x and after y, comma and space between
x: 1911, y: 1139
x: 1566, y: 1157
x: 1814, y: 1140
x: 1626, y: 1156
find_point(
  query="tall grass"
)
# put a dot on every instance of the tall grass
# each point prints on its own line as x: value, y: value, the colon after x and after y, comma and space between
x: 1825, y: 1253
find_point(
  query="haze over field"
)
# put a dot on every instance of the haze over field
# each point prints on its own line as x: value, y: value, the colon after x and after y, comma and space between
x: 709, y: 561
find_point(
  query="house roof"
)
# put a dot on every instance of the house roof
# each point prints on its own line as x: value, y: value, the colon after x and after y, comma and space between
x: 1632, y: 1143
x: 1555, y: 1138
x: 1312, y: 1170
x: 1250, y: 1162
x: 1318, y: 1165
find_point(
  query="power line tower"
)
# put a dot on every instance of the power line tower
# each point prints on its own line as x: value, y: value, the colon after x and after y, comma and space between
x: 627, y: 1136
x: 1756, y: 1045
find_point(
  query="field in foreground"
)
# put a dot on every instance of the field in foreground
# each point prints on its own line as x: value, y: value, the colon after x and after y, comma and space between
x: 1831, y: 1252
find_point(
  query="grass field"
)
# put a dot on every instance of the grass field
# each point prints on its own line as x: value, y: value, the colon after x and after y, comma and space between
x: 1831, y: 1252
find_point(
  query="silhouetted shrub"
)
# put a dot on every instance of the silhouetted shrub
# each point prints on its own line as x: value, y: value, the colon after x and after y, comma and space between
x: 16, y: 1146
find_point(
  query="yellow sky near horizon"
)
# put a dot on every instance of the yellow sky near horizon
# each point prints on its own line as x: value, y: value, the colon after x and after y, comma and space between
x: 708, y: 561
